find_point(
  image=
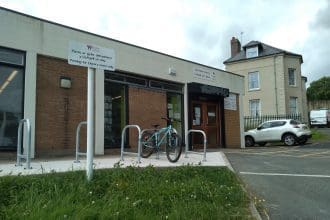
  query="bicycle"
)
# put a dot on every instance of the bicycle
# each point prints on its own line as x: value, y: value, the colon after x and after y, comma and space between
x: 152, y: 140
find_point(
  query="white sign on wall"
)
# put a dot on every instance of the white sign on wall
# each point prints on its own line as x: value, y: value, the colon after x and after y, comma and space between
x: 92, y: 56
x: 230, y: 102
x: 203, y: 74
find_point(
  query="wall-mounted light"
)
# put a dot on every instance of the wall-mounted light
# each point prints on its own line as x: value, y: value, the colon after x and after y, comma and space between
x: 172, y: 72
x: 65, y: 82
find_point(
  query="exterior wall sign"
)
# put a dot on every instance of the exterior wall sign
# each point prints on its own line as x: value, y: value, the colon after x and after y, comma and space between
x: 230, y: 102
x: 203, y: 74
x: 88, y: 55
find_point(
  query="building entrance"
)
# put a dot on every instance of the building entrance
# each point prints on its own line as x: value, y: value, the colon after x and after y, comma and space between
x: 205, y: 116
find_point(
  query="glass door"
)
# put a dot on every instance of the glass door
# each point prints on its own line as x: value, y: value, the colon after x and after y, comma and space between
x: 174, y: 111
x: 11, y: 96
x: 114, y: 113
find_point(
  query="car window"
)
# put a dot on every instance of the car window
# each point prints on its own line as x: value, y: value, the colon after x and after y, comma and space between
x: 294, y: 122
x: 265, y: 125
x: 277, y: 123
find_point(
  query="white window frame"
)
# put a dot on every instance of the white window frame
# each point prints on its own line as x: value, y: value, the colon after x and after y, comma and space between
x: 255, y: 107
x: 293, y: 105
x: 249, y: 81
x: 252, y: 52
x: 294, y: 76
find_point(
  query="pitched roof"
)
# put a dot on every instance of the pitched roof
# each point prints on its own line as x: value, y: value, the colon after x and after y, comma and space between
x: 264, y: 50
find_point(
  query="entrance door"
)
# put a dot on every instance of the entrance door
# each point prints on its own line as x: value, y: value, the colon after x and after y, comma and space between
x: 205, y: 116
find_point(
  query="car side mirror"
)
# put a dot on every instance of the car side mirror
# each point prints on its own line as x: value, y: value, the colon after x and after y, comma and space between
x: 259, y: 128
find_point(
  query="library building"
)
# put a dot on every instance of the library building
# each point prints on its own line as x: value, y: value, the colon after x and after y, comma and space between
x: 39, y: 83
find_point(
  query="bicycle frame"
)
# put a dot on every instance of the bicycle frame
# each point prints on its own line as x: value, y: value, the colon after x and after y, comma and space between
x: 164, y: 132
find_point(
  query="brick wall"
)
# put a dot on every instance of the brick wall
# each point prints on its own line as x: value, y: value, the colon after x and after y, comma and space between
x: 58, y: 110
x: 146, y: 107
x: 232, y: 127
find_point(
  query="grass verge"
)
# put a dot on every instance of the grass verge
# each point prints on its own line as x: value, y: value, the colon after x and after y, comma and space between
x: 318, y: 136
x: 126, y: 193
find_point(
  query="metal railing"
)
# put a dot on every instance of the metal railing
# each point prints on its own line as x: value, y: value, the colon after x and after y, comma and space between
x: 78, y: 153
x: 251, y: 122
x: 122, y: 152
x: 204, y: 142
x: 27, y: 154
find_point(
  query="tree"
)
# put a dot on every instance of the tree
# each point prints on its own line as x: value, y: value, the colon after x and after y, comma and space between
x: 319, y: 89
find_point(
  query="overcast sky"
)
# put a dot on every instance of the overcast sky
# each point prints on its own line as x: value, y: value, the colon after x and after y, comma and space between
x: 200, y: 30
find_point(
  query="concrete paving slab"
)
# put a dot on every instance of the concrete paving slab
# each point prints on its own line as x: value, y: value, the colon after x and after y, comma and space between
x: 41, y: 166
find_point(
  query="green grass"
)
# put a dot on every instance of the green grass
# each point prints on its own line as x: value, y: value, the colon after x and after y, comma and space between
x: 318, y: 136
x: 126, y: 193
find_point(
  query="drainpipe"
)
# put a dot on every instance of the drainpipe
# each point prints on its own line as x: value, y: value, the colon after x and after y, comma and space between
x: 275, y: 76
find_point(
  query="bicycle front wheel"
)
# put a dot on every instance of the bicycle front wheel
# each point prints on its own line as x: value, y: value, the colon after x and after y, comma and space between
x: 173, y: 147
x: 148, y: 144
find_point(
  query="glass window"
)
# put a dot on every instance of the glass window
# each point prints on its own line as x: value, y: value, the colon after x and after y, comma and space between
x: 265, y: 125
x: 114, y: 113
x: 293, y: 105
x: 155, y: 84
x: 254, y: 107
x: 197, y: 115
x: 292, y: 77
x: 142, y: 82
x: 11, y: 104
x: 254, y: 80
x: 11, y: 57
x: 278, y: 123
x: 172, y: 87
x: 174, y: 111
x: 136, y: 81
x: 115, y: 77
x: 211, y: 115
x: 251, y: 52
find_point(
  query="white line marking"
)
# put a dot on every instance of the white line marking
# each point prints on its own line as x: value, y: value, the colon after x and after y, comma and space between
x: 285, y: 174
x: 313, y: 154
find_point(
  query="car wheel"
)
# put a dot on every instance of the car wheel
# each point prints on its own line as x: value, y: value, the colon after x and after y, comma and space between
x: 249, y: 142
x: 261, y: 144
x: 289, y: 139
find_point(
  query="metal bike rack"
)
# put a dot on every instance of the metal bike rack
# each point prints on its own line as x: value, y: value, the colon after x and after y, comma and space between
x: 122, y: 152
x: 21, y: 155
x: 205, y: 143
x: 78, y: 153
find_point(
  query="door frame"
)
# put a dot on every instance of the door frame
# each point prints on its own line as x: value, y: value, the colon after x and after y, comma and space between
x: 204, y: 119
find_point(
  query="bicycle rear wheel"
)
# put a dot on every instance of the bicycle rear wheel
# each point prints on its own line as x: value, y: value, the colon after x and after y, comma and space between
x: 173, y: 147
x: 148, y: 144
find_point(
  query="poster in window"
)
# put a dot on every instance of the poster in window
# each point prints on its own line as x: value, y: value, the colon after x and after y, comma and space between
x: 230, y: 102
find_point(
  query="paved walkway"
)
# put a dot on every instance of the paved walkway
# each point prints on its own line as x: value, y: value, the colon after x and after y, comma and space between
x: 40, y: 166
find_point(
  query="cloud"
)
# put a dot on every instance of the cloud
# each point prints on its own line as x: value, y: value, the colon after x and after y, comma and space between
x: 199, y: 30
x: 323, y: 18
x: 316, y: 48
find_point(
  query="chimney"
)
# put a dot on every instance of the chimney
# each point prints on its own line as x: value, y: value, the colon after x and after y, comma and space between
x: 235, y: 46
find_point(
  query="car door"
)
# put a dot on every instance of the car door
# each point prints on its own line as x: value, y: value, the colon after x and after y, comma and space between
x: 263, y: 132
x: 277, y: 130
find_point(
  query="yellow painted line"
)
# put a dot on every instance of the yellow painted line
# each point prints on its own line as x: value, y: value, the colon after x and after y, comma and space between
x: 247, y: 153
x: 276, y: 151
x: 314, y: 154
x: 285, y: 174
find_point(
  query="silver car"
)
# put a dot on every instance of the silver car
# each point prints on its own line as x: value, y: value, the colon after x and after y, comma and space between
x: 288, y: 131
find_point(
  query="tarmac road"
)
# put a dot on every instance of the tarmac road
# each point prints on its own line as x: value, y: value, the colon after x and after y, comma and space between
x: 293, y: 181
